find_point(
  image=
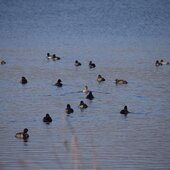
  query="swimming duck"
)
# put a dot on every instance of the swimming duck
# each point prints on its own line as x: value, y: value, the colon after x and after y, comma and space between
x: 157, y: 63
x: 2, y: 62
x: 22, y: 135
x: 23, y: 80
x: 124, y: 111
x: 91, y: 65
x: 49, y: 56
x: 56, y: 57
x: 68, y: 109
x: 59, y: 84
x: 100, y: 78
x: 47, y: 118
x: 82, y: 105
x: 52, y: 56
x: 85, y: 89
x: 90, y: 96
x: 164, y: 62
x: 77, y: 63
x: 119, y: 81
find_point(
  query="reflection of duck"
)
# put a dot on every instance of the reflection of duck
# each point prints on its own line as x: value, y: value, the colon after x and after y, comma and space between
x: 100, y: 78
x: 90, y: 96
x: 85, y: 89
x: 82, y: 105
x: 68, y: 109
x: 58, y: 84
x: 23, y: 80
x: 124, y: 111
x: 22, y: 135
x: 91, y: 65
x: 119, y: 81
x: 77, y: 63
x: 47, y: 118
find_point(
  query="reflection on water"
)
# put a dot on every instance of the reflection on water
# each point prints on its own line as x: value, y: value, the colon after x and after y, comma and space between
x: 123, y: 38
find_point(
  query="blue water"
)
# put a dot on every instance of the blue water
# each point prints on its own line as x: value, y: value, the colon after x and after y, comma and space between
x: 123, y: 38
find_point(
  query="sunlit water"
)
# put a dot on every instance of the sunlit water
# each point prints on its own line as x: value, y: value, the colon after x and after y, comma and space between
x: 123, y: 38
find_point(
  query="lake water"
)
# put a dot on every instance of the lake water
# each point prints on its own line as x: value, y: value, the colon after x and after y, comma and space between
x: 124, y: 38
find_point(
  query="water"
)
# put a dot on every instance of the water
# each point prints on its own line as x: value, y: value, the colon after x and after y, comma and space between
x: 123, y: 38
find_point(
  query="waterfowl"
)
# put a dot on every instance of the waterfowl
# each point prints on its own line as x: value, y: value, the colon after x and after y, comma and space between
x: 85, y: 89
x: 90, y: 96
x: 47, y: 118
x: 56, y: 57
x: 52, y: 56
x: 91, y: 65
x: 49, y: 56
x: 157, y: 63
x: 164, y: 62
x: 77, y: 63
x: 2, y: 62
x: 22, y: 135
x: 23, y: 80
x: 59, y: 84
x: 124, y: 111
x: 119, y: 81
x: 68, y: 109
x: 82, y: 105
x: 100, y: 78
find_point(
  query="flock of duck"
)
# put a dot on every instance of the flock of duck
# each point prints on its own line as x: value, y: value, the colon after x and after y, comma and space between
x: 161, y: 62
x: 68, y: 110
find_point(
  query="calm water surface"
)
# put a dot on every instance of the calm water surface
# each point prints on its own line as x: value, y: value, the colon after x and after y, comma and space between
x: 123, y: 38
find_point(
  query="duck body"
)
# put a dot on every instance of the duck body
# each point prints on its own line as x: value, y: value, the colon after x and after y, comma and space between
x: 2, y: 62
x: 119, y: 81
x: 82, y: 105
x: 47, y: 119
x: 85, y: 89
x: 77, y: 63
x: 124, y: 111
x: 162, y: 62
x: 100, y: 78
x: 90, y: 96
x: 91, y: 65
x: 52, y: 56
x: 59, y: 84
x: 157, y: 63
x: 23, y: 80
x: 22, y: 135
x: 68, y: 109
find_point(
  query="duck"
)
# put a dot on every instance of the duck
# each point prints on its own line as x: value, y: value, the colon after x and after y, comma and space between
x: 22, y: 135
x: 162, y: 62
x: 85, y: 89
x: 58, y: 84
x: 157, y: 63
x: 56, y: 57
x: 2, y: 62
x: 49, y: 56
x: 124, y: 111
x: 52, y: 56
x: 100, y: 78
x: 47, y: 118
x: 23, y: 80
x: 91, y: 64
x: 77, y: 63
x: 82, y: 105
x: 119, y: 81
x: 90, y: 96
x: 68, y: 109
